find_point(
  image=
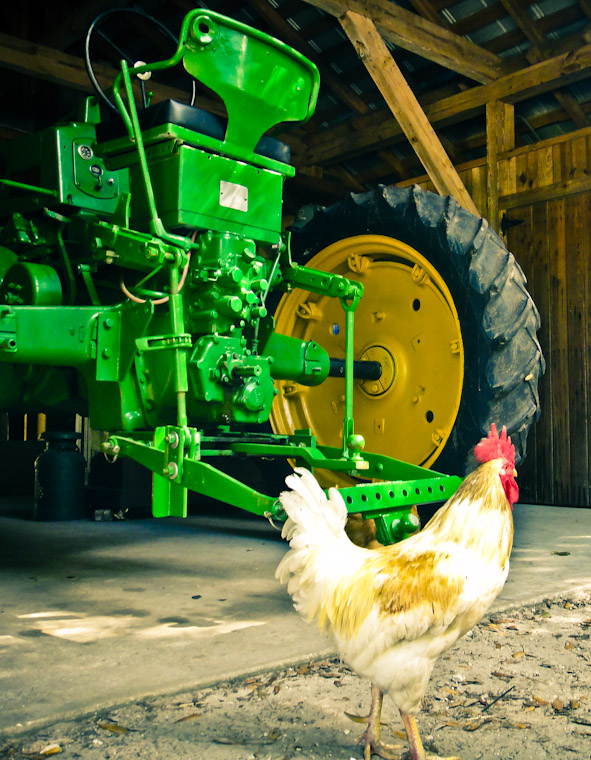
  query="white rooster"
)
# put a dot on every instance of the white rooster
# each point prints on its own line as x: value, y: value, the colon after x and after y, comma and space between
x: 394, y: 610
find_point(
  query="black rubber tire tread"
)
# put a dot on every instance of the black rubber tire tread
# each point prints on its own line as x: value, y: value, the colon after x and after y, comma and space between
x: 498, y: 317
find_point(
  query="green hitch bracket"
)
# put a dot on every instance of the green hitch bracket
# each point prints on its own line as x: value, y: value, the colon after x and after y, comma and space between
x: 374, y: 499
x: 396, y: 526
x: 188, y: 472
x: 174, y: 454
x: 169, y: 497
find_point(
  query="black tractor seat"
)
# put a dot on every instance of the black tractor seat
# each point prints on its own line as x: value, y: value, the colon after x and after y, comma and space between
x: 189, y: 117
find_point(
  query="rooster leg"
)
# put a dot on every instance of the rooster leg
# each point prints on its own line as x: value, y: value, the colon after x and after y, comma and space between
x: 371, y: 735
x: 416, y: 750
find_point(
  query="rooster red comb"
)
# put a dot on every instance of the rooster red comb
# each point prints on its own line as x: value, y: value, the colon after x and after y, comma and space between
x: 495, y: 447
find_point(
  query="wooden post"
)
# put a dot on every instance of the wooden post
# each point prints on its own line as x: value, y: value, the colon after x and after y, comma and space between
x: 402, y: 102
x: 500, y: 136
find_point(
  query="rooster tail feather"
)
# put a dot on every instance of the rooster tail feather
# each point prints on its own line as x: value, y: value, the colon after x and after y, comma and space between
x: 320, y: 552
x: 310, y: 512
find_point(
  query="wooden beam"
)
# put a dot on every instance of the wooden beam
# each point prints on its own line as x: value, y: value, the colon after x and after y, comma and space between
x: 563, y: 17
x: 572, y: 107
x: 348, y: 180
x: 494, y: 130
x: 570, y: 186
x: 482, y: 17
x: 376, y: 57
x: 540, y: 49
x: 70, y: 27
x: 422, y: 37
x: 531, y: 81
x: 404, y: 168
x: 586, y: 7
x: 425, y: 9
x: 546, y: 193
x: 391, y: 163
x: 314, y: 186
x: 423, y: 179
x: 11, y: 133
x: 500, y: 136
x: 572, y: 41
x: 64, y: 69
x: 525, y: 21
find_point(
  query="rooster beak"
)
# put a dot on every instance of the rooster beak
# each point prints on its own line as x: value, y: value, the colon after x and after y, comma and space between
x: 514, y: 472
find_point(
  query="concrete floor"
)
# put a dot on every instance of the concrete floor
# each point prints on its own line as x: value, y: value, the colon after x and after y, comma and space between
x: 95, y: 614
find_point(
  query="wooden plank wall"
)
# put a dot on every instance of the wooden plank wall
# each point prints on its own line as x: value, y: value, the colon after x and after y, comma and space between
x: 545, y: 193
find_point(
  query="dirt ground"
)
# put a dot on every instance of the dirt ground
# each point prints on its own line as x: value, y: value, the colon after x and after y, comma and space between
x: 517, y: 688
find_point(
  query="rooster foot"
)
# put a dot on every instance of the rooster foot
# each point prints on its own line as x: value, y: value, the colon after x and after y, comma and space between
x: 373, y: 746
x: 371, y: 735
x: 377, y: 747
x: 370, y: 738
x: 416, y: 750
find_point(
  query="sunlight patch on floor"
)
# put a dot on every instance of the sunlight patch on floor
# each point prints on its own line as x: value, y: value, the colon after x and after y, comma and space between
x: 83, y: 629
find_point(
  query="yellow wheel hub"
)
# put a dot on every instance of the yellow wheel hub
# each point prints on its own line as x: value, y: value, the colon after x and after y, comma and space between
x: 406, y: 321
x: 377, y: 353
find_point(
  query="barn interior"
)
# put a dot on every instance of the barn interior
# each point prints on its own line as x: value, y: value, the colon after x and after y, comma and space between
x: 484, y: 103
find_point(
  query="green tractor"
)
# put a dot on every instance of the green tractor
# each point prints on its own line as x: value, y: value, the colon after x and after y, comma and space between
x: 142, y: 254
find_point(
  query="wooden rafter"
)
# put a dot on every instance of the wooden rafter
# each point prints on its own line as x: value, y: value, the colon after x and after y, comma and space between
x: 360, y: 130
x: 330, y: 189
x: 425, y: 9
x: 512, y: 88
x: 481, y: 17
x: 564, y: 16
x: 406, y: 167
x: 423, y: 37
x: 347, y: 179
x: 375, y: 55
x: 64, y: 69
x: 540, y: 50
x: 61, y: 35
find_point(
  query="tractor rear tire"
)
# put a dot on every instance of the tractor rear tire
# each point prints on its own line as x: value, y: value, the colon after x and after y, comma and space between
x: 497, y: 317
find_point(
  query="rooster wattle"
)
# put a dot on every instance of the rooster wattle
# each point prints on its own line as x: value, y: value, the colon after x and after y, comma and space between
x: 393, y: 610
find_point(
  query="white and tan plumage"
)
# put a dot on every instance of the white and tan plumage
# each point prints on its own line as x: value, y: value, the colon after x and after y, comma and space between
x: 394, y: 610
